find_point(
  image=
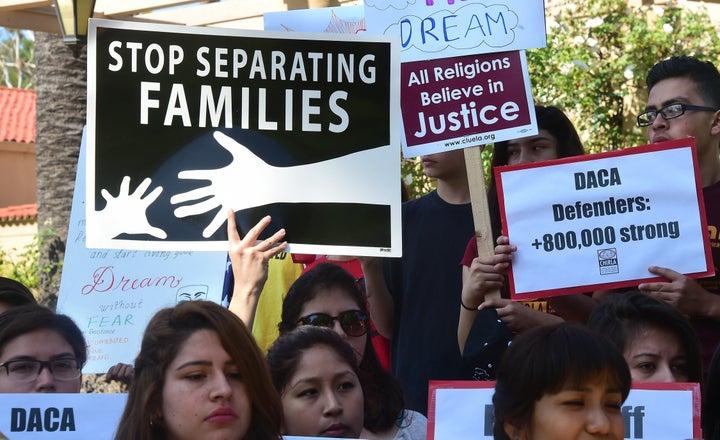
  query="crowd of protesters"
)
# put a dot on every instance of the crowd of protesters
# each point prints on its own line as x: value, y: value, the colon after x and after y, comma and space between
x: 562, y: 370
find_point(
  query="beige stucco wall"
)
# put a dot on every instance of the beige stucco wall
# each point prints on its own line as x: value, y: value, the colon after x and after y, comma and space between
x: 17, y: 174
x: 15, y: 236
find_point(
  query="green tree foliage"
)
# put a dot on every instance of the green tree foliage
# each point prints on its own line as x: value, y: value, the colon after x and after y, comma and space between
x: 24, y: 264
x: 598, y: 53
x: 17, y: 59
x: 597, y: 56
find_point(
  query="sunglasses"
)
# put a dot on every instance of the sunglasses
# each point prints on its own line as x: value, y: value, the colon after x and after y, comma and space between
x: 353, y: 322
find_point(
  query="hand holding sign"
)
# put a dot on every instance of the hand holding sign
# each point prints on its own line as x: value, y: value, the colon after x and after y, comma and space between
x: 487, y: 273
x: 681, y: 292
x: 126, y: 212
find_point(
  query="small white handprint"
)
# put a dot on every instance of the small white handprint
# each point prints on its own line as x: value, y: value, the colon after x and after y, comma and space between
x: 126, y: 213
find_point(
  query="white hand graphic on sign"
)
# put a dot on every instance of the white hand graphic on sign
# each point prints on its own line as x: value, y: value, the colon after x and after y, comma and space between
x: 126, y: 213
x: 364, y: 177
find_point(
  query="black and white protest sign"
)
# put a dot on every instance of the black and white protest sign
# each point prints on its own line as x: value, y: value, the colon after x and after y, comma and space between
x: 185, y: 124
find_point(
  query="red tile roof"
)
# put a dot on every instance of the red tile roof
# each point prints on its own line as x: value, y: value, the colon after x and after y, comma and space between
x: 18, y: 212
x: 17, y: 115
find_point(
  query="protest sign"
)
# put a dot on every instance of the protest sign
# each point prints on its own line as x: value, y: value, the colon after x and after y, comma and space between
x: 335, y: 20
x: 469, y: 84
x: 658, y: 411
x: 598, y: 221
x: 299, y: 126
x: 460, y: 102
x: 60, y: 416
x: 434, y: 29
x: 111, y: 294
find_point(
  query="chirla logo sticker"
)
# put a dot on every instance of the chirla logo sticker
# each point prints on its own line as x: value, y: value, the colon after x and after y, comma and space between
x: 608, y: 261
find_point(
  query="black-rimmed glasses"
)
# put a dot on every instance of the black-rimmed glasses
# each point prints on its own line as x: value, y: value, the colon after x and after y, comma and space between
x: 353, y: 322
x: 28, y: 370
x: 670, y: 111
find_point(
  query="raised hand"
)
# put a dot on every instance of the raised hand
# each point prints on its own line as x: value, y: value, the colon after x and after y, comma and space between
x: 250, y: 257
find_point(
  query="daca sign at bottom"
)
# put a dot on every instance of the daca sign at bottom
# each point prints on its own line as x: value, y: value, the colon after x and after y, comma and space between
x: 657, y: 411
x: 60, y: 416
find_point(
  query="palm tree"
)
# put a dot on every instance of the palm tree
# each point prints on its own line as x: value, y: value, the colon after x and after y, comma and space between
x: 61, y: 110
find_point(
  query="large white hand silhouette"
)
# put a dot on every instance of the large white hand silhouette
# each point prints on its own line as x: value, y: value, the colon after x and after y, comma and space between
x: 248, y: 181
x: 126, y: 213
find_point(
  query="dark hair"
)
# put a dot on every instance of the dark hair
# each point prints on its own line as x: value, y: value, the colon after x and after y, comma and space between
x: 622, y: 316
x: 14, y: 293
x: 553, y: 120
x: 163, y: 339
x: 284, y: 354
x: 703, y: 73
x: 711, y: 400
x: 28, y: 318
x: 549, y: 118
x: 545, y: 359
x: 383, y: 395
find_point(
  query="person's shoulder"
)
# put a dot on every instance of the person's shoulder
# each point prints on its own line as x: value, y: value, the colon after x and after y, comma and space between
x: 712, y: 191
x: 423, y: 201
x: 412, y: 427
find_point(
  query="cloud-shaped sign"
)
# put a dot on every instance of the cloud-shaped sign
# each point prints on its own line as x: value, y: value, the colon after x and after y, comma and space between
x: 468, y: 27
x: 384, y: 4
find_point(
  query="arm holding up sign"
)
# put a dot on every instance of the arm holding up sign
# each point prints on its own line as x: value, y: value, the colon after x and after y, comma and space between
x: 556, y: 138
x: 683, y: 100
x: 484, y: 275
x: 380, y: 302
x: 249, y: 259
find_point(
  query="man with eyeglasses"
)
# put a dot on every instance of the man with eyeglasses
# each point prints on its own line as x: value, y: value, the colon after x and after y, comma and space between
x: 684, y: 100
x: 40, y: 351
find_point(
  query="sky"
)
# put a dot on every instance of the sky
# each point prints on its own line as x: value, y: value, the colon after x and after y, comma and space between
x: 4, y: 34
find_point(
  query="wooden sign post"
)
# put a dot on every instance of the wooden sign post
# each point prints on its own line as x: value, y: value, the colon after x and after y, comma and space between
x: 483, y: 228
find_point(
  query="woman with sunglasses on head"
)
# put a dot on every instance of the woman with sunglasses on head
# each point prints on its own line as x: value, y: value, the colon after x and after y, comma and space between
x: 316, y: 374
x: 327, y: 296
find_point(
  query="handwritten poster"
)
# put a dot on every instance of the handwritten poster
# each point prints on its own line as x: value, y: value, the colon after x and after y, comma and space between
x: 111, y: 294
x: 187, y: 123
x: 464, y: 75
x: 658, y: 411
x: 334, y: 20
x: 598, y: 221
x: 436, y: 29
